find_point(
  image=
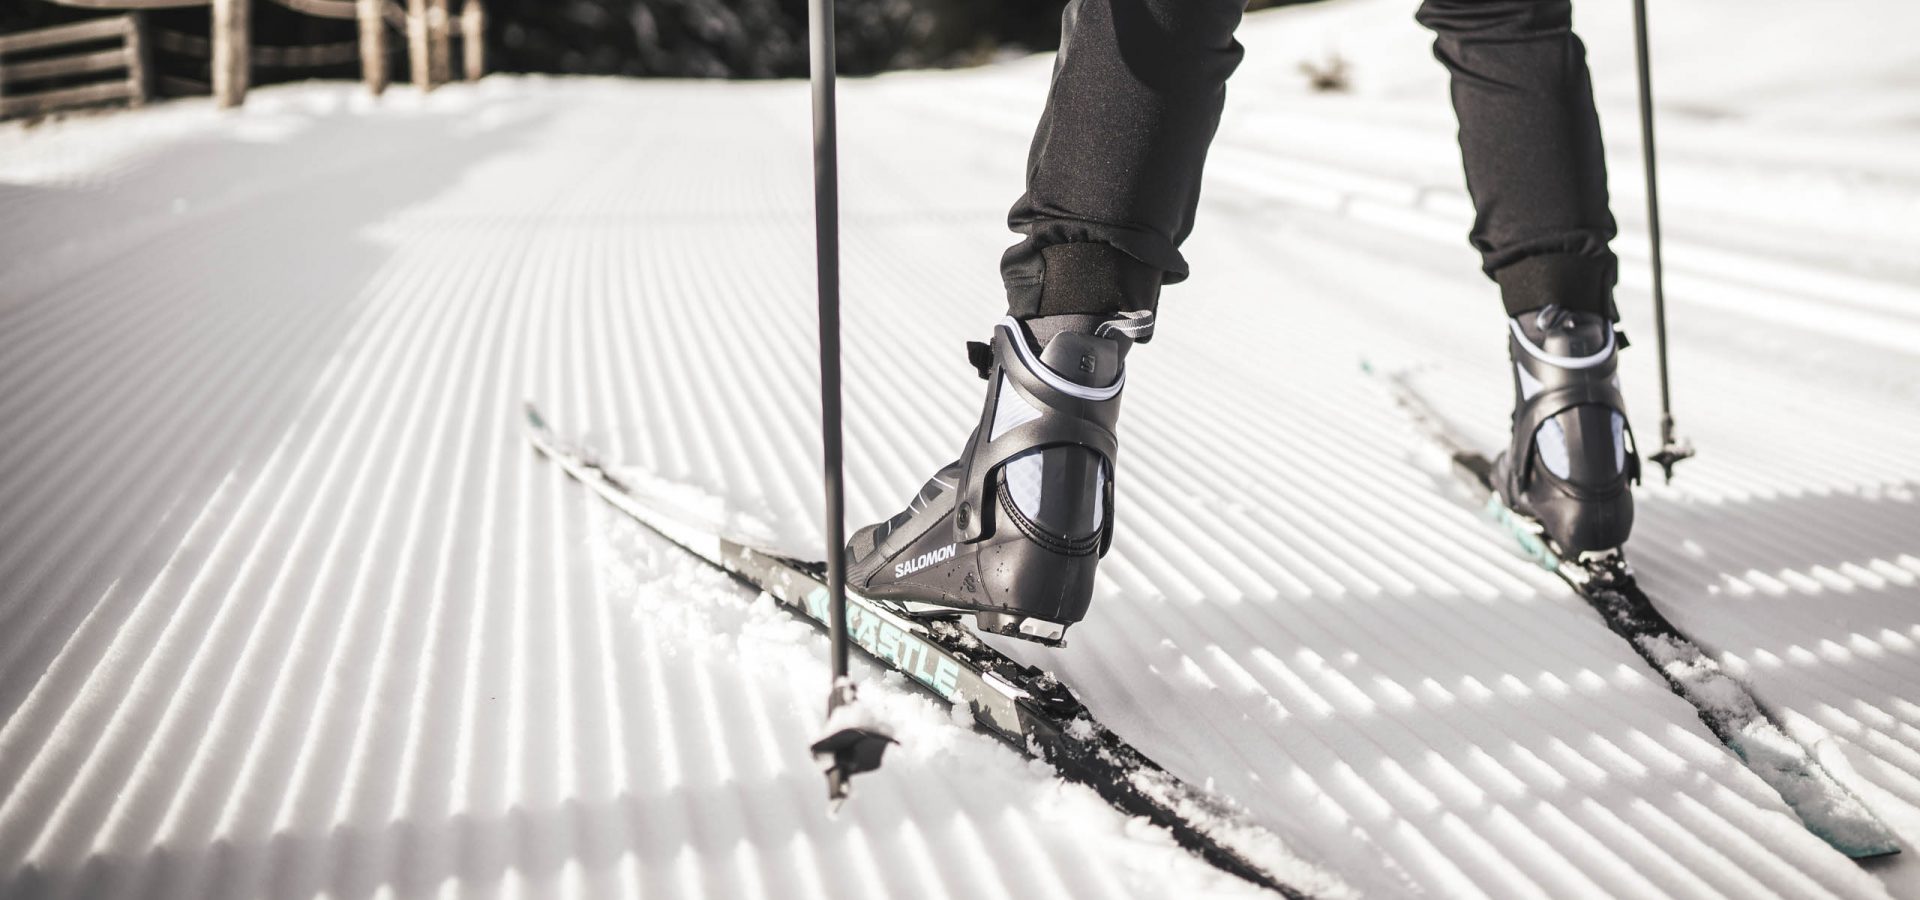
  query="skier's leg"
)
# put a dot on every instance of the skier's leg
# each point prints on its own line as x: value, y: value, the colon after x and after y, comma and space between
x: 1530, y: 142
x: 1014, y: 529
x: 1113, y: 176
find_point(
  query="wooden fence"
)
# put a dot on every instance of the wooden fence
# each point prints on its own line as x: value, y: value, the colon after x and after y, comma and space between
x: 427, y: 24
x: 429, y: 28
x: 113, y: 46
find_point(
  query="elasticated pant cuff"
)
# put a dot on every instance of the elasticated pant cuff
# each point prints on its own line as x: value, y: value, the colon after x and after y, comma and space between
x: 1095, y: 279
x: 1578, y: 283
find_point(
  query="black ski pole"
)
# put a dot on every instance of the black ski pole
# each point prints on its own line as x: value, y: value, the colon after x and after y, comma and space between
x: 850, y: 746
x: 1672, y: 451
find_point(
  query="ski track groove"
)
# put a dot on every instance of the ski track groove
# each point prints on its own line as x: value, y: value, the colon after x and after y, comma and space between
x: 1498, y: 771
x: 328, y: 626
x: 346, y: 713
x: 63, y: 541
x: 205, y: 757
x: 157, y: 653
x: 230, y: 818
x: 27, y: 638
x: 423, y: 713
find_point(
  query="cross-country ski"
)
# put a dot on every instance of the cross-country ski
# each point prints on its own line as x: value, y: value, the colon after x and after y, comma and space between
x: 1607, y: 583
x: 1023, y: 706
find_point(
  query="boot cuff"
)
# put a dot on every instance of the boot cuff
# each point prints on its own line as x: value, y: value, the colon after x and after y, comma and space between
x: 1095, y: 279
x: 1578, y: 283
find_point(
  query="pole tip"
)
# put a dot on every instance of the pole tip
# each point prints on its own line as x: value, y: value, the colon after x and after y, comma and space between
x: 1670, y: 455
x: 854, y: 743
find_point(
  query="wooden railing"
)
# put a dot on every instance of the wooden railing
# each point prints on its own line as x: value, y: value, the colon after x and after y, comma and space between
x: 116, y: 44
x: 429, y: 28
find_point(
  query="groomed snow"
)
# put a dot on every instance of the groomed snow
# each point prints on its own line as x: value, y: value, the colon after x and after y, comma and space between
x: 289, y: 608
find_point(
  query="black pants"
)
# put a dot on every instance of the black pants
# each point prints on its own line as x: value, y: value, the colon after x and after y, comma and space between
x: 1113, y: 178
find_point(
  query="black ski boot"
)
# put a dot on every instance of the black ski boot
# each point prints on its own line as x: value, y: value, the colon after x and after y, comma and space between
x: 1571, y: 464
x: 1013, y: 530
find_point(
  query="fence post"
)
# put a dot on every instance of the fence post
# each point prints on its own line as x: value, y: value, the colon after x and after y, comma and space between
x: 473, y: 37
x: 139, y: 60
x: 373, y: 45
x: 230, y: 52
x: 417, y: 44
x: 439, y: 42
x: 428, y: 42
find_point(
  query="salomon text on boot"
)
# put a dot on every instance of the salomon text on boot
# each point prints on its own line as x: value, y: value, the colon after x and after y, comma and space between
x: 1013, y: 530
x: 1571, y: 464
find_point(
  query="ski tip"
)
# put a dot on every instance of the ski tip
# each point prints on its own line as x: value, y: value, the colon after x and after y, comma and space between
x: 1845, y: 823
x: 1864, y: 854
x: 1862, y: 838
x: 538, y: 434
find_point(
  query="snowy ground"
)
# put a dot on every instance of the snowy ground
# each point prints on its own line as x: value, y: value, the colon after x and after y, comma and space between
x: 287, y: 607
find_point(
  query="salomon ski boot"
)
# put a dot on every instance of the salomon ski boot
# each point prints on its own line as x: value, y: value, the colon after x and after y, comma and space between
x: 1571, y: 464
x: 1013, y: 530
